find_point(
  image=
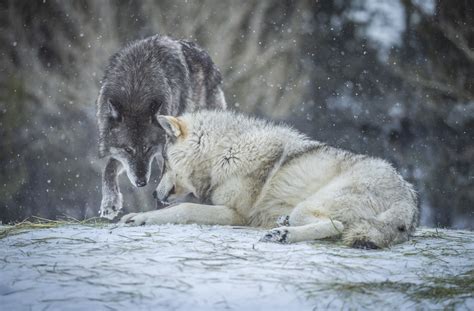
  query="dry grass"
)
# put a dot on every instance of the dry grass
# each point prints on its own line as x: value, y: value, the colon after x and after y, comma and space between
x: 34, y: 223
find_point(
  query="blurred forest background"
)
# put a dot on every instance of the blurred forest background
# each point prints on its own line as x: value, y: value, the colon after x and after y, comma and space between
x: 389, y: 78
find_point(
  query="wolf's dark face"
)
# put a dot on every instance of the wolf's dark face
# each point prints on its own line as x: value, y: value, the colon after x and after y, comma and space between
x: 134, y: 140
x: 141, y: 82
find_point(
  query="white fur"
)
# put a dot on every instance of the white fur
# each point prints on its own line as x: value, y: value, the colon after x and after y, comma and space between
x: 256, y: 172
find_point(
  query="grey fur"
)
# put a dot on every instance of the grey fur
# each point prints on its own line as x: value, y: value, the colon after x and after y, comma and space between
x: 147, y: 78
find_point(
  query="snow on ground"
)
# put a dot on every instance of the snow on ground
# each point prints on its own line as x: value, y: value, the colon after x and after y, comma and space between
x: 190, y: 267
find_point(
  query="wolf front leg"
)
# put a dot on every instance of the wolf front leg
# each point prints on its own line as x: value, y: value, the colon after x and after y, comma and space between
x: 111, y: 197
x: 321, y: 229
x: 186, y: 213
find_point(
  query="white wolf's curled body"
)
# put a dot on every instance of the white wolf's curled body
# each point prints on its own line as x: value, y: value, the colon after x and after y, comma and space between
x: 255, y: 173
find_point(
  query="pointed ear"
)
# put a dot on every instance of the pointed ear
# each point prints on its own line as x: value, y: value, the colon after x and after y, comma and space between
x: 172, y: 126
x: 113, y: 110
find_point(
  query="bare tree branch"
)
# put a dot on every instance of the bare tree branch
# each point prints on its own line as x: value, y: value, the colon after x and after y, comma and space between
x: 417, y: 80
x: 457, y: 38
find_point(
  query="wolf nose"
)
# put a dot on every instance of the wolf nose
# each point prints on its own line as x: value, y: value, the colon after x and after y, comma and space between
x: 141, y: 183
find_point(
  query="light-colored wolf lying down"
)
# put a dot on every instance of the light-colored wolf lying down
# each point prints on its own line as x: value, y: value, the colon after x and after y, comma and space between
x: 251, y: 172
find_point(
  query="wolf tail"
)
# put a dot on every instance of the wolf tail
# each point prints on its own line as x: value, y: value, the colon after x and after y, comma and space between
x: 389, y: 227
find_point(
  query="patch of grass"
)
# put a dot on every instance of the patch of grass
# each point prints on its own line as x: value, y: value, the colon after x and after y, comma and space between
x: 449, y: 291
x: 35, y: 223
x: 442, y: 289
x: 448, y: 287
x: 432, y: 233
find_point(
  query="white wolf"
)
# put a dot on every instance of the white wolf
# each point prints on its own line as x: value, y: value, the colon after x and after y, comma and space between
x: 251, y: 172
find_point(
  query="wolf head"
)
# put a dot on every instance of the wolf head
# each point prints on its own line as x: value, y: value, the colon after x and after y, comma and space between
x: 129, y: 131
x: 179, y: 161
x: 196, y: 155
x: 135, y: 141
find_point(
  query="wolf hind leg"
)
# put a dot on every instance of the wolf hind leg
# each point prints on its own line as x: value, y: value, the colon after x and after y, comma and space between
x: 306, y: 222
x: 352, y: 209
x: 365, y: 227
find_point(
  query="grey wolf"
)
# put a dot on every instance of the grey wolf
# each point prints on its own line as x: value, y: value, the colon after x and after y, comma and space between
x: 147, y: 78
x: 247, y: 171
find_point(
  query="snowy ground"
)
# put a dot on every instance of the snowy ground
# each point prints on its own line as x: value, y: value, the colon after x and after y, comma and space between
x: 207, y: 267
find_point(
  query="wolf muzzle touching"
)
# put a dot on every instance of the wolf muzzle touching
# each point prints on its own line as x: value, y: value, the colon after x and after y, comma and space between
x: 148, y: 78
x: 251, y: 172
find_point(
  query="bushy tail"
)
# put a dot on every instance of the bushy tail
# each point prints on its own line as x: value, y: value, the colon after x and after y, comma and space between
x: 390, y: 227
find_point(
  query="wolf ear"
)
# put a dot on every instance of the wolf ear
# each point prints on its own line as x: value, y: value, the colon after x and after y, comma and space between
x: 172, y: 126
x: 114, y: 113
x: 196, y: 56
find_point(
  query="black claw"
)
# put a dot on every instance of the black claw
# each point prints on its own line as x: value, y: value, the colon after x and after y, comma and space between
x: 364, y: 244
x: 280, y: 236
x: 155, y: 194
x: 284, y: 236
x: 114, y: 208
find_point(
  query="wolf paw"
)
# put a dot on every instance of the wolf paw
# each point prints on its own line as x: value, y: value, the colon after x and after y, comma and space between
x: 276, y: 235
x: 363, y: 244
x: 111, y: 206
x: 283, y: 221
x: 134, y: 219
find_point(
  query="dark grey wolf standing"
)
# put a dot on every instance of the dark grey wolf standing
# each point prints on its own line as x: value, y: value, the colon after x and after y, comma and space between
x: 147, y: 78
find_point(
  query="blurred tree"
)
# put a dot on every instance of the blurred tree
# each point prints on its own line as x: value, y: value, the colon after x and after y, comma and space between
x: 315, y: 64
x: 437, y: 60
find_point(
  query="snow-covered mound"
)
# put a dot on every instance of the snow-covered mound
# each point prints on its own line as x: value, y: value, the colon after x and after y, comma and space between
x: 190, y: 267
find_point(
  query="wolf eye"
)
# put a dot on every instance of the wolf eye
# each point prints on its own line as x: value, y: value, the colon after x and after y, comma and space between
x: 128, y: 150
x: 156, y: 104
x: 146, y: 148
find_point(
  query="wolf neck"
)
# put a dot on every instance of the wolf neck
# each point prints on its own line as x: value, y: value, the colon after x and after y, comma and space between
x: 245, y: 183
x: 289, y: 155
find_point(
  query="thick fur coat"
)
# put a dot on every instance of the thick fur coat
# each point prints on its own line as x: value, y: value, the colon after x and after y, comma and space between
x: 247, y: 171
